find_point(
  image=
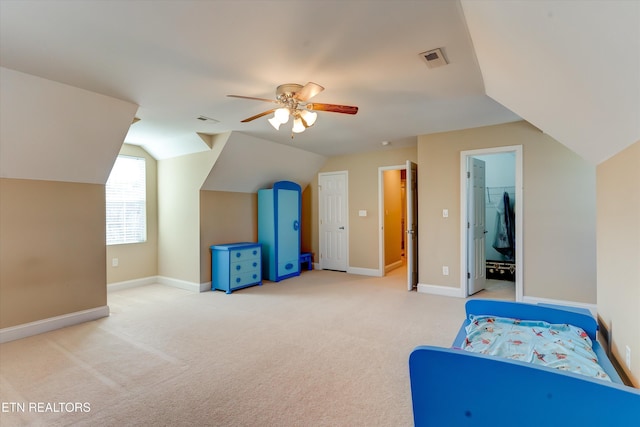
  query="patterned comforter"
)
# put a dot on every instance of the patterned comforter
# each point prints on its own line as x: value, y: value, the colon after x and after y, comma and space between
x: 564, y: 347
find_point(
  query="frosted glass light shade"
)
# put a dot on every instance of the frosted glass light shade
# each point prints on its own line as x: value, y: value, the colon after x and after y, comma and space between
x: 309, y: 117
x: 298, y: 126
x: 282, y: 114
x: 275, y: 122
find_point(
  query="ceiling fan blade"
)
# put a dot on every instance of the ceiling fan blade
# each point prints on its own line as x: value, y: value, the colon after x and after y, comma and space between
x: 253, y: 98
x: 308, y: 91
x: 257, y: 116
x: 344, y: 109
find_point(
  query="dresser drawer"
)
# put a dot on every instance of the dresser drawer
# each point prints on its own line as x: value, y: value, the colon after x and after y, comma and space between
x: 245, y: 266
x: 244, y: 254
x: 244, y: 279
x: 288, y: 266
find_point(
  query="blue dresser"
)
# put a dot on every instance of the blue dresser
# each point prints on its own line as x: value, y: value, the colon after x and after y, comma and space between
x: 279, y: 210
x: 235, y: 266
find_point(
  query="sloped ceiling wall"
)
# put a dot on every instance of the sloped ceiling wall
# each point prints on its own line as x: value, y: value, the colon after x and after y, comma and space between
x: 55, y: 132
x: 248, y: 164
x: 570, y: 68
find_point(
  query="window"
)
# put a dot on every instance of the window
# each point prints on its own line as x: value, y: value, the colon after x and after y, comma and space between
x: 126, y: 201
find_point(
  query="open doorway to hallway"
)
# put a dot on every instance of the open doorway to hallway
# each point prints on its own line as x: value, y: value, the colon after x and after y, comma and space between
x: 398, y: 219
x: 394, y: 218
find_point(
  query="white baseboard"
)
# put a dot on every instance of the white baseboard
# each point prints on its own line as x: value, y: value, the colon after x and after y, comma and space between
x: 118, y: 286
x: 364, y: 271
x: 445, y: 291
x: 168, y: 281
x: 393, y: 266
x: 182, y: 284
x: 593, y: 308
x: 46, y: 325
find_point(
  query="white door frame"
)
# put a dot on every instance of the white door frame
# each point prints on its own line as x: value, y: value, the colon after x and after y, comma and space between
x: 381, y: 170
x: 320, y: 264
x: 517, y: 149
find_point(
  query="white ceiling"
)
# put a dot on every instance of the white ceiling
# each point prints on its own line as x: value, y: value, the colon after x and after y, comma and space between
x: 178, y: 60
x: 571, y: 68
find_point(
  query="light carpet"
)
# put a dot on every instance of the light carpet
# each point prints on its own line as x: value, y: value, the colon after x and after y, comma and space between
x: 323, y: 349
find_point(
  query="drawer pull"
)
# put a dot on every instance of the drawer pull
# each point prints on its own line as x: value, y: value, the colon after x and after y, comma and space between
x: 288, y: 266
x: 255, y: 276
x: 255, y: 264
x: 255, y: 252
x: 238, y: 254
x: 238, y: 280
x: 238, y: 267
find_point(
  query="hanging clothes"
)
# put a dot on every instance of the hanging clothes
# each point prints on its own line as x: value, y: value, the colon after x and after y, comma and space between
x: 505, y: 229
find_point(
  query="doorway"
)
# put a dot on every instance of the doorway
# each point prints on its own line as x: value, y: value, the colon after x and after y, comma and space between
x: 491, y: 243
x: 393, y: 197
x: 397, y: 213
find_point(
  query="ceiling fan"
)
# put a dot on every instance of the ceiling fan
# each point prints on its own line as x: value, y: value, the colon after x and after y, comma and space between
x: 291, y: 100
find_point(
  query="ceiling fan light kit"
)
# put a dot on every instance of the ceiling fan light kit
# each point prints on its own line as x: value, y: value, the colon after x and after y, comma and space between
x: 292, y: 100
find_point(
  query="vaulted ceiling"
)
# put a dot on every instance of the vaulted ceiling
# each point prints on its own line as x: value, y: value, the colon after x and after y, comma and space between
x: 572, y: 69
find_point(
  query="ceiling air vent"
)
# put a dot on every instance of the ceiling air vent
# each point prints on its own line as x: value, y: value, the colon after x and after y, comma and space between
x: 208, y: 119
x: 434, y: 58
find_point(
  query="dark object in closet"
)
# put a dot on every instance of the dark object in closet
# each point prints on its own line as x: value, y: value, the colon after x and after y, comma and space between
x: 505, y: 229
x: 501, y: 270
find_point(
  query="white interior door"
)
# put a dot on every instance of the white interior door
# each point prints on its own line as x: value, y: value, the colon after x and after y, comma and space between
x: 476, y: 226
x: 412, y: 225
x: 333, y: 221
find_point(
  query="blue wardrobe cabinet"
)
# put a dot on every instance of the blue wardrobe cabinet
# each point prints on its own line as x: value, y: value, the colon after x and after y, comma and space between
x: 279, y: 210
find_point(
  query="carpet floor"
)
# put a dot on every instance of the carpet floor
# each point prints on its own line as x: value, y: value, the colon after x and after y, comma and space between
x: 323, y: 349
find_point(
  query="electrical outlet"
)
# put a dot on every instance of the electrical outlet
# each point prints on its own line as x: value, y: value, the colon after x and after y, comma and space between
x: 445, y: 270
x: 114, y: 262
x: 627, y: 357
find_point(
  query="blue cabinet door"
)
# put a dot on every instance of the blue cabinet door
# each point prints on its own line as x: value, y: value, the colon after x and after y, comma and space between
x: 288, y: 232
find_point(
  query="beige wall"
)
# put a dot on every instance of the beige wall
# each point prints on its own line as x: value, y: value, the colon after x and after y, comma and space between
x: 180, y: 180
x: 363, y: 195
x: 225, y: 217
x: 138, y: 260
x: 618, y: 231
x: 53, y: 249
x: 558, y: 202
x: 306, y: 232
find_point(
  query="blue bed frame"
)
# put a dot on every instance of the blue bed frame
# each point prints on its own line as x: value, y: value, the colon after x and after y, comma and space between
x: 453, y: 387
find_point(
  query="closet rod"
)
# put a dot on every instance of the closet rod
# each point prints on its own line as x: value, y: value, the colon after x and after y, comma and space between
x: 499, y: 191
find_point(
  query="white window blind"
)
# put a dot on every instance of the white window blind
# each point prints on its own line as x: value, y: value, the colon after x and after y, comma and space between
x: 126, y: 201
